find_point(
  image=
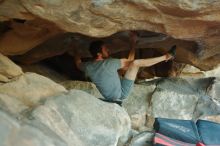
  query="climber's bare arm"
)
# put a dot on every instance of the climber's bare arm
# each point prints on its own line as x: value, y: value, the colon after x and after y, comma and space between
x: 125, y: 62
x: 133, y: 40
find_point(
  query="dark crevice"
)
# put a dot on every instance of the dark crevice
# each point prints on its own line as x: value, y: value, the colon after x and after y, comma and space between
x: 64, y: 64
x: 4, y: 27
x: 19, y: 20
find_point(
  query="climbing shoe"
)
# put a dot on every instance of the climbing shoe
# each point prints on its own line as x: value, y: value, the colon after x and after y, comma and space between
x: 119, y: 102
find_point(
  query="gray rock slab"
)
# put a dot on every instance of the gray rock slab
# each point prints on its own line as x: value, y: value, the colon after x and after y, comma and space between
x: 136, y: 104
x: 174, y: 98
x: 81, y: 119
x: 185, y: 98
x: 14, y: 133
x: 169, y: 104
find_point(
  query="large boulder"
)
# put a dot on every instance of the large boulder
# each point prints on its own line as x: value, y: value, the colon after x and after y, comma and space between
x: 81, y: 119
x: 174, y: 98
x: 184, y: 98
x: 136, y: 104
x: 30, y: 88
x: 169, y: 104
x: 13, y: 133
x: 70, y: 118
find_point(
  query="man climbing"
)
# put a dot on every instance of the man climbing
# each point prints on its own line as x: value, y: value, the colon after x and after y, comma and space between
x: 103, y: 70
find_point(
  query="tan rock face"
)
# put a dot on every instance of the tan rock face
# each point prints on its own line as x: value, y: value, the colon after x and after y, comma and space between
x: 8, y: 69
x: 24, y: 36
x: 182, y: 19
x: 13, y: 9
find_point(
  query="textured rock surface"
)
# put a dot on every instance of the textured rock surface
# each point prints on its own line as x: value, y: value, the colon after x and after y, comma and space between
x: 142, y: 139
x: 177, y: 18
x: 8, y: 69
x: 13, y: 133
x: 18, y: 10
x: 88, y: 87
x: 190, y: 99
x: 81, y: 119
x: 169, y: 104
x: 12, y: 105
x: 137, y: 105
x: 22, y: 37
x: 30, y: 88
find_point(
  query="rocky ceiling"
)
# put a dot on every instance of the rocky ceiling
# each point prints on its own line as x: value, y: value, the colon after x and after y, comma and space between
x: 193, y: 25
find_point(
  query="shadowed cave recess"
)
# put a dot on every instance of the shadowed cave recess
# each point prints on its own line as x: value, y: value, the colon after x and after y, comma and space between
x: 56, y: 53
x: 45, y: 100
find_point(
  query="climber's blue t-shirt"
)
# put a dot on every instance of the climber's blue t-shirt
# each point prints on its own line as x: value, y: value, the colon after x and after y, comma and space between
x: 105, y: 76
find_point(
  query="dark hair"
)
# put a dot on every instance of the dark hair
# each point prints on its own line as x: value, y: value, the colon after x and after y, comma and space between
x: 96, y: 47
